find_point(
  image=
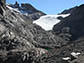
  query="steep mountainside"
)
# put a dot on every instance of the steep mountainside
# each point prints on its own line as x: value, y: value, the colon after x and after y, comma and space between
x: 23, y: 41
x: 75, y: 23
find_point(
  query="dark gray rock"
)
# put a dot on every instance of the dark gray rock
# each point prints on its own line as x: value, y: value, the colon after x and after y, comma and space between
x: 74, y: 22
x: 2, y: 2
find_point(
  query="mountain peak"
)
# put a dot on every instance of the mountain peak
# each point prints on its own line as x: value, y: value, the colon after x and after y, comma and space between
x: 28, y: 6
x: 16, y: 4
x: 26, y: 9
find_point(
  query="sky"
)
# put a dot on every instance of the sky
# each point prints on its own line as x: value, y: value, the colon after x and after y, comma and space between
x: 50, y: 6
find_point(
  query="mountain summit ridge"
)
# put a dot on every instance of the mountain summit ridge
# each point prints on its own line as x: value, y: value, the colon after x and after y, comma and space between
x: 26, y: 9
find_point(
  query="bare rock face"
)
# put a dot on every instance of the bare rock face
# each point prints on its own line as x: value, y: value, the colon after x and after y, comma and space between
x: 2, y: 2
x: 74, y: 22
x: 28, y: 7
x: 33, y: 13
x: 2, y: 7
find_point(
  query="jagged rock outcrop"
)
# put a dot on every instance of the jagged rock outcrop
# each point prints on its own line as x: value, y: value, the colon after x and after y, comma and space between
x: 28, y: 10
x: 16, y: 5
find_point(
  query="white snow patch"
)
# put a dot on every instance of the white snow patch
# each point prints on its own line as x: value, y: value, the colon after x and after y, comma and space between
x: 13, y: 9
x: 24, y: 12
x: 48, y: 21
x: 17, y: 10
x: 75, y: 54
x: 66, y: 58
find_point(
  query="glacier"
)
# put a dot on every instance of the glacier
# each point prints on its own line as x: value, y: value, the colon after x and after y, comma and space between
x: 48, y: 21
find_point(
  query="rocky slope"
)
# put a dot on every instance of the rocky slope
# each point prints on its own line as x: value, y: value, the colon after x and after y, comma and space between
x: 22, y: 41
x: 74, y: 22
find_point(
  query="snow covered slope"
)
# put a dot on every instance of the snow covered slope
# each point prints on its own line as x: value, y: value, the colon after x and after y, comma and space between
x: 13, y: 9
x: 48, y: 21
